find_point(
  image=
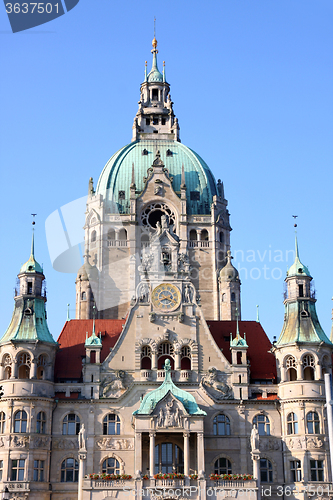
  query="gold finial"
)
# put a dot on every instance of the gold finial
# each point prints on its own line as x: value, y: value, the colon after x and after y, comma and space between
x: 146, y: 63
x: 154, y: 42
x: 163, y: 63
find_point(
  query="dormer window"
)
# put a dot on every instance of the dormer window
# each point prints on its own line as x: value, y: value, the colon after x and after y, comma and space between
x: 154, y: 95
x: 144, y: 151
x: 169, y: 152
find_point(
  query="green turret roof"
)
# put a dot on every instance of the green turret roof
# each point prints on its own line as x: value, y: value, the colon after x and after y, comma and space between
x: 32, y: 266
x: 297, y: 269
x: 152, y: 398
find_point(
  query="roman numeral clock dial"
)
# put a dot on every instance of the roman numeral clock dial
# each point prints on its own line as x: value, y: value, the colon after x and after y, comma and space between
x: 166, y: 297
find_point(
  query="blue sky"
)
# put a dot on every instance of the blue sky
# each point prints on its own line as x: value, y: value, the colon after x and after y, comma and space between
x: 251, y: 82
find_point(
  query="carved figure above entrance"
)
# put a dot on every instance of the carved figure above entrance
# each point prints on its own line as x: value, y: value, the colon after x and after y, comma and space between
x: 169, y: 415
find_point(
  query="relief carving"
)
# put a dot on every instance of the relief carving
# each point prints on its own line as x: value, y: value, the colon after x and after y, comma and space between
x: 296, y: 443
x: 168, y: 416
x: 315, y: 442
x: 40, y: 442
x: 19, y: 441
x: 115, y: 444
x: 113, y: 385
x: 65, y: 444
x: 214, y: 386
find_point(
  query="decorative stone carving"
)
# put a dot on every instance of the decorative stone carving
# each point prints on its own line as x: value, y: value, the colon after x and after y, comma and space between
x: 188, y: 294
x: 254, y: 439
x: 113, y: 385
x: 115, y: 444
x: 4, y: 441
x: 214, y: 386
x: 184, y: 263
x: 40, y: 442
x: 82, y: 439
x: 168, y: 416
x: 269, y: 444
x: 296, y: 443
x: 315, y: 442
x: 144, y: 293
x: 65, y: 444
x: 19, y: 441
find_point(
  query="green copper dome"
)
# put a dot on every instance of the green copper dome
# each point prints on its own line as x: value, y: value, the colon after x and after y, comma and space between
x: 116, y: 177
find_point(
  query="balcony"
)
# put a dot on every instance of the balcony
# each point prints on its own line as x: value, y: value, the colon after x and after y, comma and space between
x: 117, y: 243
x: 199, y: 244
x: 17, y: 486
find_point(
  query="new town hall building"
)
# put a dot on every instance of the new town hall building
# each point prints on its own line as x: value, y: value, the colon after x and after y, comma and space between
x: 159, y: 373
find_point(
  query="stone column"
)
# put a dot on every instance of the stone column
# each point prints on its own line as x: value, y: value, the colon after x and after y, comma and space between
x: 82, y: 466
x: 138, y: 453
x: 186, y: 453
x: 154, y: 360
x: 177, y: 360
x: 14, y: 369
x: 2, y: 371
x: 152, y: 453
x: 299, y: 370
x: 200, y: 454
x: 255, y: 455
x: 33, y: 368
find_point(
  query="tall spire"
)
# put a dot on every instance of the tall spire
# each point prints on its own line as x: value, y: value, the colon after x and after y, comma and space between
x: 33, y: 236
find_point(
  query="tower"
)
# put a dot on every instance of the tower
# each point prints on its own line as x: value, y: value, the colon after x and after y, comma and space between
x: 127, y: 205
x: 303, y: 354
x: 27, y: 354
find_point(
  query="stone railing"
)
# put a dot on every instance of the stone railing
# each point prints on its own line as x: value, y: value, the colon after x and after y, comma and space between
x: 199, y: 244
x: 117, y: 243
x: 17, y: 486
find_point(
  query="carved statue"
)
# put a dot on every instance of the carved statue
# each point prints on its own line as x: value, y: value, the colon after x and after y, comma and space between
x: 188, y: 294
x: 82, y: 439
x: 214, y: 387
x: 144, y: 293
x: 115, y: 387
x: 254, y: 439
x: 169, y: 417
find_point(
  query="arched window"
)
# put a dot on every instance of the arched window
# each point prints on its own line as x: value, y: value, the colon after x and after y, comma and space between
x: 111, y: 234
x: 313, y: 422
x: 262, y: 424
x: 93, y: 236
x: 308, y: 367
x: 266, y: 471
x: 193, y: 235
x: 292, y: 423
x: 204, y: 235
x: 233, y: 297
x: 69, y: 471
x: 41, y: 364
x: 24, y: 363
x: 83, y: 296
x: 169, y: 458
x: 20, y: 421
x: 146, y: 357
x: 222, y: 466
x: 221, y: 424
x: 41, y: 423
x: 123, y: 234
x: 291, y: 368
x: 165, y: 351
x: 7, y: 363
x: 111, y: 466
x: 71, y: 425
x: 185, y: 358
x: 2, y: 422
x: 111, y: 424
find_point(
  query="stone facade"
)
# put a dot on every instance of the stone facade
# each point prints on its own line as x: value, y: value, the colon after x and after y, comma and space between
x: 158, y: 373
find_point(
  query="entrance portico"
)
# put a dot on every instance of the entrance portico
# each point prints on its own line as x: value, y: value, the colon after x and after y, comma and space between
x: 174, y: 423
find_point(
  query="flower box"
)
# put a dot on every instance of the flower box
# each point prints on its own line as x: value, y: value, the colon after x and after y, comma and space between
x: 230, y: 477
x: 169, y: 476
x: 110, y: 477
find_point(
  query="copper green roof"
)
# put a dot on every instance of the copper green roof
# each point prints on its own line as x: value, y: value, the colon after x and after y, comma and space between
x: 297, y: 268
x: 152, y: 398
x: 301, y: 324
x: 116, y: 176
x: 31, y: 266
x: 93, y: 340
x: 28, y: 322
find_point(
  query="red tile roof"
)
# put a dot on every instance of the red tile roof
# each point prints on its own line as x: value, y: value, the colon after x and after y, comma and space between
x: 262, y: 362
x: 68, y: 363
x: 258, y: 395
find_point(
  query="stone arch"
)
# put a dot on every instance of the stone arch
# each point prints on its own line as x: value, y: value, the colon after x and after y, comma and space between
x: 116, y: 457
x: 223, y: 455
x: 60, y: 461
x: 24, y: 359
x: 111, y: 411
x: 308, y: 363
x: 290, y: 367
x: 67, y: 412
x: 221, y: 412
x: 274, y: 466
x: 92, y: 214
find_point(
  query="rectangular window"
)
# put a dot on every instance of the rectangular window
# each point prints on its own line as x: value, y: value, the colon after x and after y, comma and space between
x: 154, y: 95
x: 301, y: 291
x: 317, y: 470
x: 38, y: 470
x: 1, y: 469
x: 295, y: 471
x: 163, y: 121
x: 155, y: 121
x: 29, y: 287
x: 17, y: 471
x: 147, y: 121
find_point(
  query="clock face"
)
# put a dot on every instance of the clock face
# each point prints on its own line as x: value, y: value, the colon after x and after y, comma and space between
x: 166, y: 297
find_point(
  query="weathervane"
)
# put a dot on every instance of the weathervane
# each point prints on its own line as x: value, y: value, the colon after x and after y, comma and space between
x: 295, y: 217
